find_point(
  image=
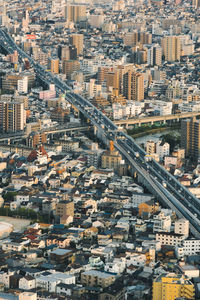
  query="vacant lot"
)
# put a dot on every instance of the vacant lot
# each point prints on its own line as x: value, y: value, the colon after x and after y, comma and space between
x: 18, y: 224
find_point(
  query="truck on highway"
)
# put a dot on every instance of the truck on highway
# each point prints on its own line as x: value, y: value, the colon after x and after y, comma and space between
x: 137, y: 154
x: 148, y: 158
x: 164, y: 184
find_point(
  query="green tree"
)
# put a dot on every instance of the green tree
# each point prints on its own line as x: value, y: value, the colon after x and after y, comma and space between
x: 9, y: 196
x: 172, y: 138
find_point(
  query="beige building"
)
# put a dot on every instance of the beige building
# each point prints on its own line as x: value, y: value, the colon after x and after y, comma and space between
x: 112, y: 82
x: 133, y: 86
x: 171, y: 48
x: 190, y: 137
x: 12, y: 116
x: 76, y: 40
x: 135, y: 37
x: 75, y: 13
x: 69, y: 67
x: 97, y: 278
x: 65, y: 208
x: 54, y: 63
x: 111, y: 159
x: 170, y: 239
x: 182, y: 227
x: 150, y: 147
x: 196, y: 3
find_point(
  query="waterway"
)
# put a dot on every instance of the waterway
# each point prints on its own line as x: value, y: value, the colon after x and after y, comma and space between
x: 154, y: 136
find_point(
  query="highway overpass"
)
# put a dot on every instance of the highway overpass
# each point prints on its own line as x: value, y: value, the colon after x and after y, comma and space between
x: 160, y: 182
x: 153, y: 119
x: 50, y: 131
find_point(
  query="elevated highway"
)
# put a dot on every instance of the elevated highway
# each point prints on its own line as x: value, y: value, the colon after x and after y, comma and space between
x: 160, y: 182
x: 54, y: 130
x: 153, y: 119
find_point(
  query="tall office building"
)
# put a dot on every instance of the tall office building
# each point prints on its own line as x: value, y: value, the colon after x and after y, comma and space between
x: 133, y: 86
x: 171, y: 48
x: 75, y: 13
x: 12, y: 116
x: 190, y: 137
x: 76, y: 40
x: 154, y: 56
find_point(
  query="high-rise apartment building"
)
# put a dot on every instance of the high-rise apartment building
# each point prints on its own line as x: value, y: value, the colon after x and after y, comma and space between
x: 76, y: 40
x: 133, y: 86
x: 67, y: 52
x: 112, y: 82
x: 12, y: 116
x: 102, y: 73
x: 135, y: 37
x: 10, y: 81
x: 196, y: 3
x: 75, y: 13
x: 69, y: 67
x: 172, y: 286
x: 154, y: 56
x: 190, y: 137
x: 171, y: 48
x: 54, y: 65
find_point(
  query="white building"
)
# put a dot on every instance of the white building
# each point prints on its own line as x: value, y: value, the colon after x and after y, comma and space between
x: 28, y: 296
x: 189, y: 107
x: 117, y: 266
x: 27, y: 283
x: 96, y: 20
x: 161, y: 223
x: 191, y: 246
x: 5, y: 278
x: 170, y: 239
x: 136, y: 259
x: 131, y: 109
x: 189, y: 270
x: 50, y: 282
x: 182, y: 227
x: 153, y: 244
x: 162, y: 149
x: 138, y: 198
x: 22, y: 85
x: 154, y: 55
x: 93, y: 89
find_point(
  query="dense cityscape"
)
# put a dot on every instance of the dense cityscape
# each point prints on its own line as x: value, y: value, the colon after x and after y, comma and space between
x: 99, y: 150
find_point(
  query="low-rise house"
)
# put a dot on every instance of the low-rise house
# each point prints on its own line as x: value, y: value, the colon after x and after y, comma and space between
x: 27, y: 283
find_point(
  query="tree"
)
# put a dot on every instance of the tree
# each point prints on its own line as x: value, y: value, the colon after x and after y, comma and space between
x: 9, y: 196
x: 173, y: 139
